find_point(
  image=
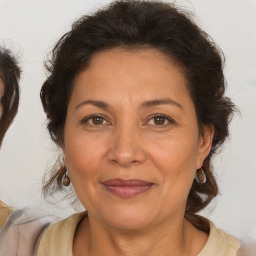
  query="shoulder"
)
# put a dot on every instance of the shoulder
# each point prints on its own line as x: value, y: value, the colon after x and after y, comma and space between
x: 220, y: 243
x: 248, y: 247
x: 57, y: 239
x: 21, y: 232
x: 5, y: 212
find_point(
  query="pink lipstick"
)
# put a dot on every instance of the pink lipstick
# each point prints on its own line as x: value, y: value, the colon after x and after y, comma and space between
x: 127, y: 188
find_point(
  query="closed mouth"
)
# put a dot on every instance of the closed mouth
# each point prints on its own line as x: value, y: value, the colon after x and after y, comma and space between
x: 127, y: 188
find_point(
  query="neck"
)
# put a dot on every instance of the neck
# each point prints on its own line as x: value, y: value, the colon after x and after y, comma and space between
x: 176, y: 238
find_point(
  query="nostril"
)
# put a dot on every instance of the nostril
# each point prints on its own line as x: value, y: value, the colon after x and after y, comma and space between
x: 126, y: 156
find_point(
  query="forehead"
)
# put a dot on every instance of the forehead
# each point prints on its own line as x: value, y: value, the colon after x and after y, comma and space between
x: 130, y: 76
x: 147, y: 56
x: 140, y: 67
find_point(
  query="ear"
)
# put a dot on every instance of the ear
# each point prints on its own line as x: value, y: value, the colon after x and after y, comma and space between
x: 205, y: 144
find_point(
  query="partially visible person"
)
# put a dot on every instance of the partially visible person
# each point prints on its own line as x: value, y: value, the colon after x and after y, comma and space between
x: 19, y: 228
x: 9, y: 90
x: 9, y: 101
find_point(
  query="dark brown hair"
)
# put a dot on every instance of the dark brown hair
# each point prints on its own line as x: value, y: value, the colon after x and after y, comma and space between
x: 10, y: 75
x: 134, y: 25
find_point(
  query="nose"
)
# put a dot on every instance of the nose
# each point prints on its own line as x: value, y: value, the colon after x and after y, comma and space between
x: 126, y: 147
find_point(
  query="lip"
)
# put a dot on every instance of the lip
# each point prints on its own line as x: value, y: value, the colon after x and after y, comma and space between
x: 127, y: 188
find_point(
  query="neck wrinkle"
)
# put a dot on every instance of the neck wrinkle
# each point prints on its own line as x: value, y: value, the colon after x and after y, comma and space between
x: 165, y: 240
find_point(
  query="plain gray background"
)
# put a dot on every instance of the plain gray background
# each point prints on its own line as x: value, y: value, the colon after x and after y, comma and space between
x: 31, y: 28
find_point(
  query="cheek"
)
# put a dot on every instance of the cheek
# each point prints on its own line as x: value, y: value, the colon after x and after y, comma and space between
x: 175, y: 150
x: 176, y: 157
x: 83, y: 156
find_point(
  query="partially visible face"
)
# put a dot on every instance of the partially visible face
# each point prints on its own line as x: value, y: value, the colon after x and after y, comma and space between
x: 131, y: 140
x: 1, y: 96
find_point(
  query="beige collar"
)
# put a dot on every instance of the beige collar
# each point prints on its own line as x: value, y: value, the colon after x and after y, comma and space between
x: 220, y: 243
x: 58, y: 240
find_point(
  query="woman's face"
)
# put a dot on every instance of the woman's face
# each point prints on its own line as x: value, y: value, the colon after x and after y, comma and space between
x: 1, y: 96
x: 131, y: 140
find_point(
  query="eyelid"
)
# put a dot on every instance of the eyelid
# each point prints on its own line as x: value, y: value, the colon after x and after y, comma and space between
x: 167, y: 117
x: 85, y: 119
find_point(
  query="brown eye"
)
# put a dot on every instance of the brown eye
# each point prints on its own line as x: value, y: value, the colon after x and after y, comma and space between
x: 159, y: 120
x: 97, y: 120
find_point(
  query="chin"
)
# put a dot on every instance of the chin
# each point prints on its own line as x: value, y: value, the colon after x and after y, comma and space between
x: 129, y: 218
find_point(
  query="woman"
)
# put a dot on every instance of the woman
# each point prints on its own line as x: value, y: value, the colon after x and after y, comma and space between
x: 9, y: 101
x: 135, y: 99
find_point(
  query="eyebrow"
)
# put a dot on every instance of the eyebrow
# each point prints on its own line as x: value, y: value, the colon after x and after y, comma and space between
x: 146, y: 104
x: 97, y: 103
x: 153, y: 103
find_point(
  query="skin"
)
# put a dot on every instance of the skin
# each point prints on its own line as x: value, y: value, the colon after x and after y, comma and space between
x: 128, y: 142
x: 1, y: 95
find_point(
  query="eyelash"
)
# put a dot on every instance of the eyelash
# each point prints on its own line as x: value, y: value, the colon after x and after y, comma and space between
x: 166, y: 118
x: 88, y: 118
